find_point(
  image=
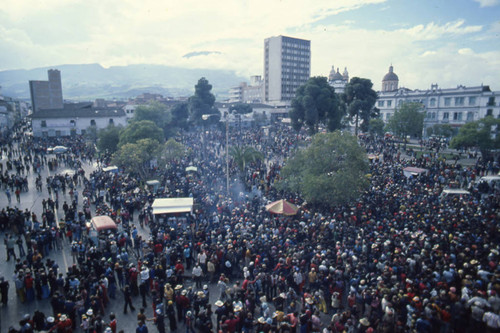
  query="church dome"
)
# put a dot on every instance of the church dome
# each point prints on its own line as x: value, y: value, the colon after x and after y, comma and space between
x: 391, y: 76
x: 335, y: 76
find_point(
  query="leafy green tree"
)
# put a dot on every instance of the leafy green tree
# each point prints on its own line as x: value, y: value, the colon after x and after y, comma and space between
x: 244, y: 155
x: 240, y: 108
x: 91, y: 134
x: 483, y: 134
x: 137, y: 130
x: 359, y: 97
x: 408, y: 119
x: 202, y: 102
x: 315, y: 103
x: 180, y: 115
x: 331, y: 171
x: 444, y: 130
x: 108, y: 138
x: 173, y: 150
x: 155, y: 111
x: 376, y: 126
x: 135, y: 157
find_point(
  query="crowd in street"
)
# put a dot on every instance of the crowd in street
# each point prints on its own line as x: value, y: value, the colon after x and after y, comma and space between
x: 402, y: 258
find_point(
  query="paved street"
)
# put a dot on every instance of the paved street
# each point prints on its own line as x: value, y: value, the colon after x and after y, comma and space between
x: 32, y: 200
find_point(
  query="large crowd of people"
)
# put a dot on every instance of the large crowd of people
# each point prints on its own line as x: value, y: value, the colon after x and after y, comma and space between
x: 402, y: 258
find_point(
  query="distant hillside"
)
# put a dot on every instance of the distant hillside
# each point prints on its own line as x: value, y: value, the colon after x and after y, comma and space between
x: 87, y: 82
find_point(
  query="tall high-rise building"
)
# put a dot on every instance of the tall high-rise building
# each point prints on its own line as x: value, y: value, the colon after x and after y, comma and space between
x: 287, y: 66
x: 47, y: 94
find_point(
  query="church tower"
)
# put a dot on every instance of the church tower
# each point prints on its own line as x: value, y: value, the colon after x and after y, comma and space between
x: 390, y: 81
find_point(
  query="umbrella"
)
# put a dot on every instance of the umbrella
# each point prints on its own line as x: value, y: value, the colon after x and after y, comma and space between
x: 282, y: 207
x: 191, y: 168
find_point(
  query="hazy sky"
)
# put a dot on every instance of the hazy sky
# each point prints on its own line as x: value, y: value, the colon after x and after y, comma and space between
x: 448, y: 42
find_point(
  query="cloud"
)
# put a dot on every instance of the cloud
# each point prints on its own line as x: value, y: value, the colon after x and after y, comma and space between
x: 182, y: 33
x: 487, y: 3
x: 434, y: 31
x: 199, y: 53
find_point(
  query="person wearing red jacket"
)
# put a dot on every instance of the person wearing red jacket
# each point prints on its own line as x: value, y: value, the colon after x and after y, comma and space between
x: 63, y: 325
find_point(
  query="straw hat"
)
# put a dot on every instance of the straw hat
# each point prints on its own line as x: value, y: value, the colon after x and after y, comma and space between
x: 364, y: 321
x: 63, y: 318
x: 261, y: 320
x: 219, y: 303
x: 178, y: 287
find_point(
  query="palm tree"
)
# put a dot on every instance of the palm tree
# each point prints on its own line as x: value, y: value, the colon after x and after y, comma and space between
x: 244, y: 155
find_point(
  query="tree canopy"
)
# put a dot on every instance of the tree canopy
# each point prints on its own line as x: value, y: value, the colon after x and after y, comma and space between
x: 173, y: 150
x: 240, y: 108
x: 444, y: 130
x: 108, y: 139
x: 408, y: 119
x: 360, y: 99
x: 143, y: 129
x: 482, y: 134
x: 180, y: 115
x: 331, y: 171
x: 155, y: 111
x: 136, y: 157
x: 244, y: 155
x: 202, y: 102
x: 315, y: 103
x: 376, y: 126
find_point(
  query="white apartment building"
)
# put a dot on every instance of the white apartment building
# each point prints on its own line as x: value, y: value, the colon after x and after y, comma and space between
x: 453, y: 106
x: 287, y: 66
x: 247, y: 93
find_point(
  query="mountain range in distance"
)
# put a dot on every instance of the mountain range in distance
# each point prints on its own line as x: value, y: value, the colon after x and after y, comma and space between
x: 91, y: 81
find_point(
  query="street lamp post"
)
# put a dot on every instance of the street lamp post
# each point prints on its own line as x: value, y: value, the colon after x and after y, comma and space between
x: 227, y: 154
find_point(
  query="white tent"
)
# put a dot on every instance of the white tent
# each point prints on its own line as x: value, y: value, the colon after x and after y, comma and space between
x: 111, y: 168
x: 172, y: 205
x: 412, y: 171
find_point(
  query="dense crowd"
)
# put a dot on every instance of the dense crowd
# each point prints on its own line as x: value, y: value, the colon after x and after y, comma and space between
x: 402, y: 258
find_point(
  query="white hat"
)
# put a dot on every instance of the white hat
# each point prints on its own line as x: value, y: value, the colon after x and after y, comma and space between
x: 90, y: 312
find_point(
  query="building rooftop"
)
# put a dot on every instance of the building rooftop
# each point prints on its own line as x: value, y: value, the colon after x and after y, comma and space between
x: 80, y: 110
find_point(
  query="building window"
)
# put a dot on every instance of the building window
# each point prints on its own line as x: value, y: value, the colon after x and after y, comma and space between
x: 491, y: 101
x: 388, y: 116
x: 44, y: 123
x: 72, y: 123
x: 459, y: 101
x: 433, y: 102
x: 472, y: 100
x: 389, y: 104
x: 489, y: 112
x: 447, y: 101
x: 92, y: 122
x: 111, y: 122
x: 381, y: 103
x: 457, y: 116
x: 446, y: 116
x: 470, y: 116
x: 433, y: 115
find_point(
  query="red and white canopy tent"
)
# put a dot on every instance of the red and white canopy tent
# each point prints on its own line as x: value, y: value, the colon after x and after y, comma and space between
x: 282, y: 207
